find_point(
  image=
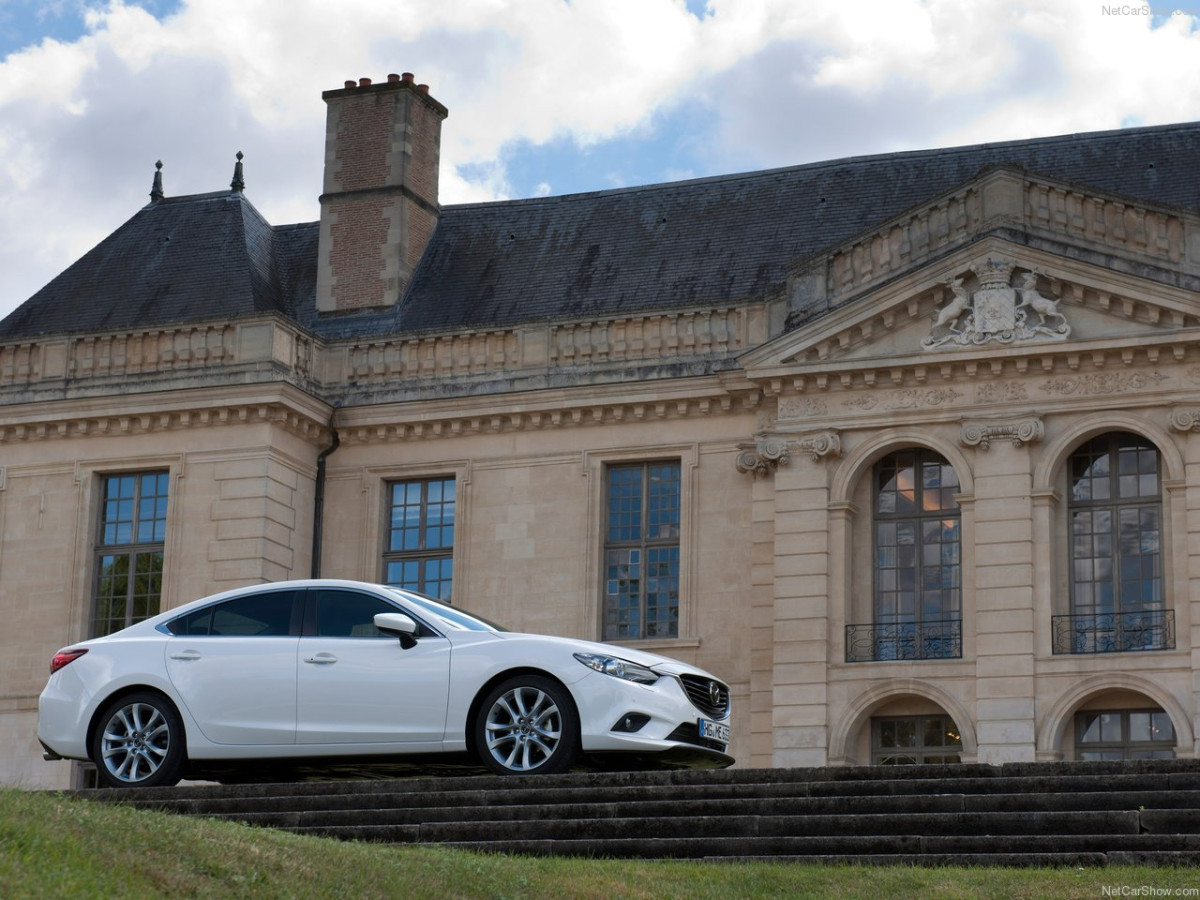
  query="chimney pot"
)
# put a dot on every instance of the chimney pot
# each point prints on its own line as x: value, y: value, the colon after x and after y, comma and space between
x: 407, y: 77
x: 364, y: 82
x: 423, y: 88
x: 393, y: 78
x: 349, y: 84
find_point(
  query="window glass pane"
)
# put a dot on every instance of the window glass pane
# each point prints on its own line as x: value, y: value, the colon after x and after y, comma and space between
x: 129, y: 561
x: 194, y: 624
x: 1139, y: 726
x: 921, y: 740
x: 918, y: 573
x: 1124, y: 734
x: 1115, y: 513
x: 438, y: 578
x: 623, y: 590
x: 625, y: 504
x: 1161, y: 728
x: 348, y: 613
x: 662, y: 519
x: 641, y: 554
x: 256, y: 615
x: 420, y: 542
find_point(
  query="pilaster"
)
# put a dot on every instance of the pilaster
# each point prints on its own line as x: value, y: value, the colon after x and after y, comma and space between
x: 1005, y: 620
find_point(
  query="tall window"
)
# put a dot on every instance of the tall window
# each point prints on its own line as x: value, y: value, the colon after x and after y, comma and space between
x: 129, y: 550
x: 918, y: 567
x: 641, y: 551
x: 420, y: 542
x: 1115, y: 509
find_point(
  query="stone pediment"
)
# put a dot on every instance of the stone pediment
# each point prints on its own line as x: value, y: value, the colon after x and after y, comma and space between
x: 988, y: 301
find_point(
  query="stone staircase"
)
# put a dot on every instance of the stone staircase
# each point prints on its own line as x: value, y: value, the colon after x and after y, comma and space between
x: 1077, y: 814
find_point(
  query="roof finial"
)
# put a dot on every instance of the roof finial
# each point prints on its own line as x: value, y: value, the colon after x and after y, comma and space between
x: 238, y: 183
x: 156, y: 191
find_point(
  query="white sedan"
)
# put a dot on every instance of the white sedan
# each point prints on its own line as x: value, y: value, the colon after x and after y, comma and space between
x: 340, y: 671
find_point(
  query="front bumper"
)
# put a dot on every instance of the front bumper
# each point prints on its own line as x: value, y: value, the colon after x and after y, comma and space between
x: 668, y: 721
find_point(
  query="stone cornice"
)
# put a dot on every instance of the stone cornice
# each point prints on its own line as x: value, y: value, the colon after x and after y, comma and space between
x: 176, y: 420
x: 138, y: 414
x: 1101, y: 357
x: 540, y: 410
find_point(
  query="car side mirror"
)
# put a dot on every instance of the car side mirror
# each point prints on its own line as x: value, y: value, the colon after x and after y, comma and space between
x: 400, y: 625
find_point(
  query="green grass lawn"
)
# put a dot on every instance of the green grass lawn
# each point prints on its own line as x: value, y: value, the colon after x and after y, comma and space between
x: 52, y: 846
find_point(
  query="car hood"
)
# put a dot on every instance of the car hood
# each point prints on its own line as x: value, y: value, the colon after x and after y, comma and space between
x: 662, y: 664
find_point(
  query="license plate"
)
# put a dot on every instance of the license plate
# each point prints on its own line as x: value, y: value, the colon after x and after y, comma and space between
x: 716, y: 731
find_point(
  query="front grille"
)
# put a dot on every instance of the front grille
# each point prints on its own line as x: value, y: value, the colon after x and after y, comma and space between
x: 699, y: 692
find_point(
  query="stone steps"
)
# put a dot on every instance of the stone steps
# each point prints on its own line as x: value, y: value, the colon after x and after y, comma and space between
x: 1018, y: 814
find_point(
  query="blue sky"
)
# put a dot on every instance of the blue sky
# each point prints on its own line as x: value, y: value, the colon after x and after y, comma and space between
x: 545, y: 96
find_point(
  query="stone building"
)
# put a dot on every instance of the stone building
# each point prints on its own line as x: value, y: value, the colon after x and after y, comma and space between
x: 904, y: 447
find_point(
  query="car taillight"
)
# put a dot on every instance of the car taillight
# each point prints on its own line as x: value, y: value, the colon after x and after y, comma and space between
x: 65, y: 657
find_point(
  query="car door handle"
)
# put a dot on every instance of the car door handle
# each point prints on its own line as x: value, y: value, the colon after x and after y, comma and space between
x: 186, y: 654
x: 321, y: 659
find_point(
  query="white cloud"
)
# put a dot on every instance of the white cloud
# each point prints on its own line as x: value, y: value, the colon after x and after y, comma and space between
x: 779, y: 82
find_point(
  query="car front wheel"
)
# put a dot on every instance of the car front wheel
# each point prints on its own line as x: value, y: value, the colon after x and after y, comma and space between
x: 139, y: 742
x: 528, y: 724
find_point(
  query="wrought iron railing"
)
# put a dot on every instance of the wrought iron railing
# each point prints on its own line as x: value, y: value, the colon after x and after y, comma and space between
x: 941, y: 639
x: 1114, y: 632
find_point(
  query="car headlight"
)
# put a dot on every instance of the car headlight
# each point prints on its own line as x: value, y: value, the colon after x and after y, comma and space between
x: 618, y: 668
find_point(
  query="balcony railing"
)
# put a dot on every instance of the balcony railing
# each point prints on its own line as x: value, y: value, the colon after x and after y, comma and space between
x: 904, y: 640
x: 1114, y: 632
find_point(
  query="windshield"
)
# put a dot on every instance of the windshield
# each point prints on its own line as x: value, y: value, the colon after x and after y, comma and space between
x: 445, y: 615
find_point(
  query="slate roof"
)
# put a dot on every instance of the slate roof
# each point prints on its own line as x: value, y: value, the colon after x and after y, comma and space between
x: 185, y: 259
x: 713, y: 241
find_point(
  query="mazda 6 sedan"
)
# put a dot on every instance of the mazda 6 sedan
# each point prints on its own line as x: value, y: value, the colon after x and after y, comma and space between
x: 339, y: 672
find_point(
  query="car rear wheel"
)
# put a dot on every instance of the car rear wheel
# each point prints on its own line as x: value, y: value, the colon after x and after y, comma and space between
x: 528, y: 724
x: 139, y: 742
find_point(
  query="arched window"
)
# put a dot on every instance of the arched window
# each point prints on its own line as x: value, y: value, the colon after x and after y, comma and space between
x: 918, y: 562
x: 1115, y: 512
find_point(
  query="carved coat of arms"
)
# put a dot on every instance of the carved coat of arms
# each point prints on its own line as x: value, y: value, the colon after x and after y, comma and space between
x: 996, y: 311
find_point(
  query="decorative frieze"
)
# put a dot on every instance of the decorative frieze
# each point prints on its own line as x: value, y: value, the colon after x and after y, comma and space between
x: 908, y: 398
x: 768, y: 453
x: 1101, y: 383
x: 1021, y: 431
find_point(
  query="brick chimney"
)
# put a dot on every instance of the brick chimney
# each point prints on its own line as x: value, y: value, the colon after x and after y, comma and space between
x: 379, y: 203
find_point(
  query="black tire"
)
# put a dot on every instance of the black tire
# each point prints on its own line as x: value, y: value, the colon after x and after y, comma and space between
x: 527, y: 724
x: 139, y: 742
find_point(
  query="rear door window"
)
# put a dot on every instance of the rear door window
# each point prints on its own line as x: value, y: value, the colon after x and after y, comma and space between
x: 269, y: 614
